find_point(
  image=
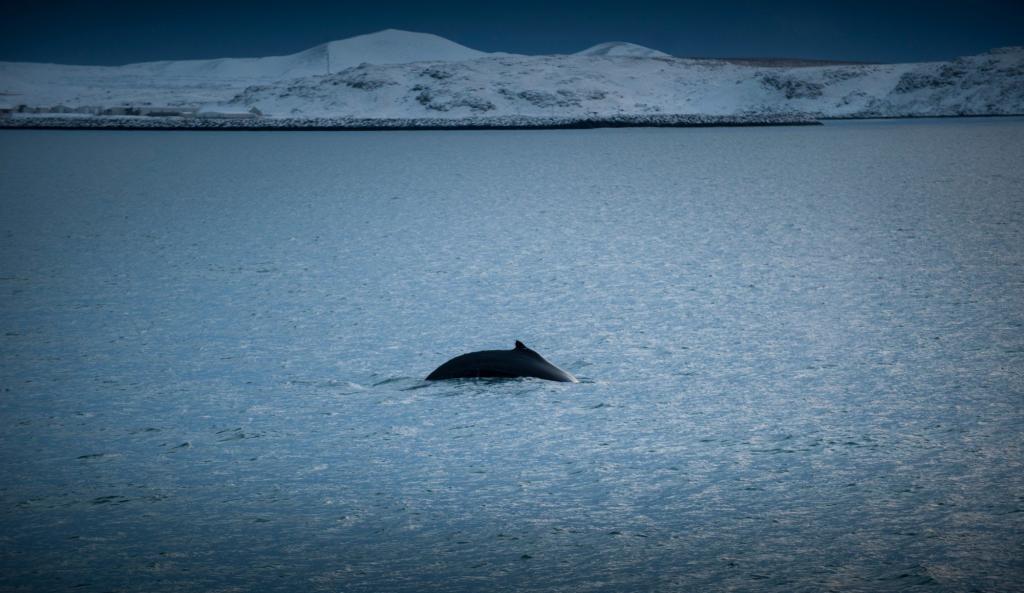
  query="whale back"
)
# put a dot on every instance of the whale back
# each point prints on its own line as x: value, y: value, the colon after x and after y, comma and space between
x: 507, y: 364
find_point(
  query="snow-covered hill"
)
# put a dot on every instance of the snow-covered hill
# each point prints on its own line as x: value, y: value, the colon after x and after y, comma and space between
x: 582, y: 85
x: 194, y: 82
x: 395, y: 74
x: 386, y: 47
x: 622, y: 49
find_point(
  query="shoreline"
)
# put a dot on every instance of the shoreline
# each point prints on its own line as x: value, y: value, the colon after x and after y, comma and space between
x: 57, y: 122
x: 947, y: 116
x: 258, y: 124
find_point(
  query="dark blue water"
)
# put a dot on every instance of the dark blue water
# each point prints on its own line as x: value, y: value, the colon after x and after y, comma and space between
x: 801, y: 353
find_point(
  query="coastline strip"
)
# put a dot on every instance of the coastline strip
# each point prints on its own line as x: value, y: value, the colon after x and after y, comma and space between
x: 56, y: 122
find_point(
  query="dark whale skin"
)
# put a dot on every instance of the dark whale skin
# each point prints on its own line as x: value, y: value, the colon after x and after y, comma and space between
x: 506, y: 364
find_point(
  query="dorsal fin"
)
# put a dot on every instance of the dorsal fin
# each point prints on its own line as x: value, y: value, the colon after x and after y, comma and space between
x: 520, y: 346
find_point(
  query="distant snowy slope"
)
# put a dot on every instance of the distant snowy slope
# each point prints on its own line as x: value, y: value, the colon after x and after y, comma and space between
x: 397, y: 74
x: 587, y: 85
x: 397, y: 47
x: 174, y: 82
x: 622, y: 49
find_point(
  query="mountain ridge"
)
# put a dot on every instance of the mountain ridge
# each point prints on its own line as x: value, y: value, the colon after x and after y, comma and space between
x: 622, y: 49
x: 401, y: 75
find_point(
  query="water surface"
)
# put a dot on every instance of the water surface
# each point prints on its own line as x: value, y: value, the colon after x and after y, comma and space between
x: 801, y: 353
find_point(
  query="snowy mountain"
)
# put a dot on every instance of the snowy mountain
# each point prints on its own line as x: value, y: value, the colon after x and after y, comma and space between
x: 622, y: 49
x: 385, y: 47
x: 396, y: 74
x: 194, y: 82
x: 585, y: 85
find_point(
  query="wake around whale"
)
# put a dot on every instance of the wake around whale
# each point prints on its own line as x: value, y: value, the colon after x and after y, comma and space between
x: 517, y: 362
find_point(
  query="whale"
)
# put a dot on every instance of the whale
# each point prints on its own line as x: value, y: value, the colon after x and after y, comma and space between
x: 505, y: 364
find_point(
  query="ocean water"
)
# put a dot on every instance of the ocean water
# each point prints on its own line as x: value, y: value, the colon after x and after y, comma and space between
x: 801, y: 354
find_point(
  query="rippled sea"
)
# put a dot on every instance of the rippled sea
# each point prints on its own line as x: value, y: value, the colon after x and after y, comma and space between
x: 801, y: 354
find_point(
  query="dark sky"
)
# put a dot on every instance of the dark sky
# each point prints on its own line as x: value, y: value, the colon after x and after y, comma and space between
x: 107, y: 32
